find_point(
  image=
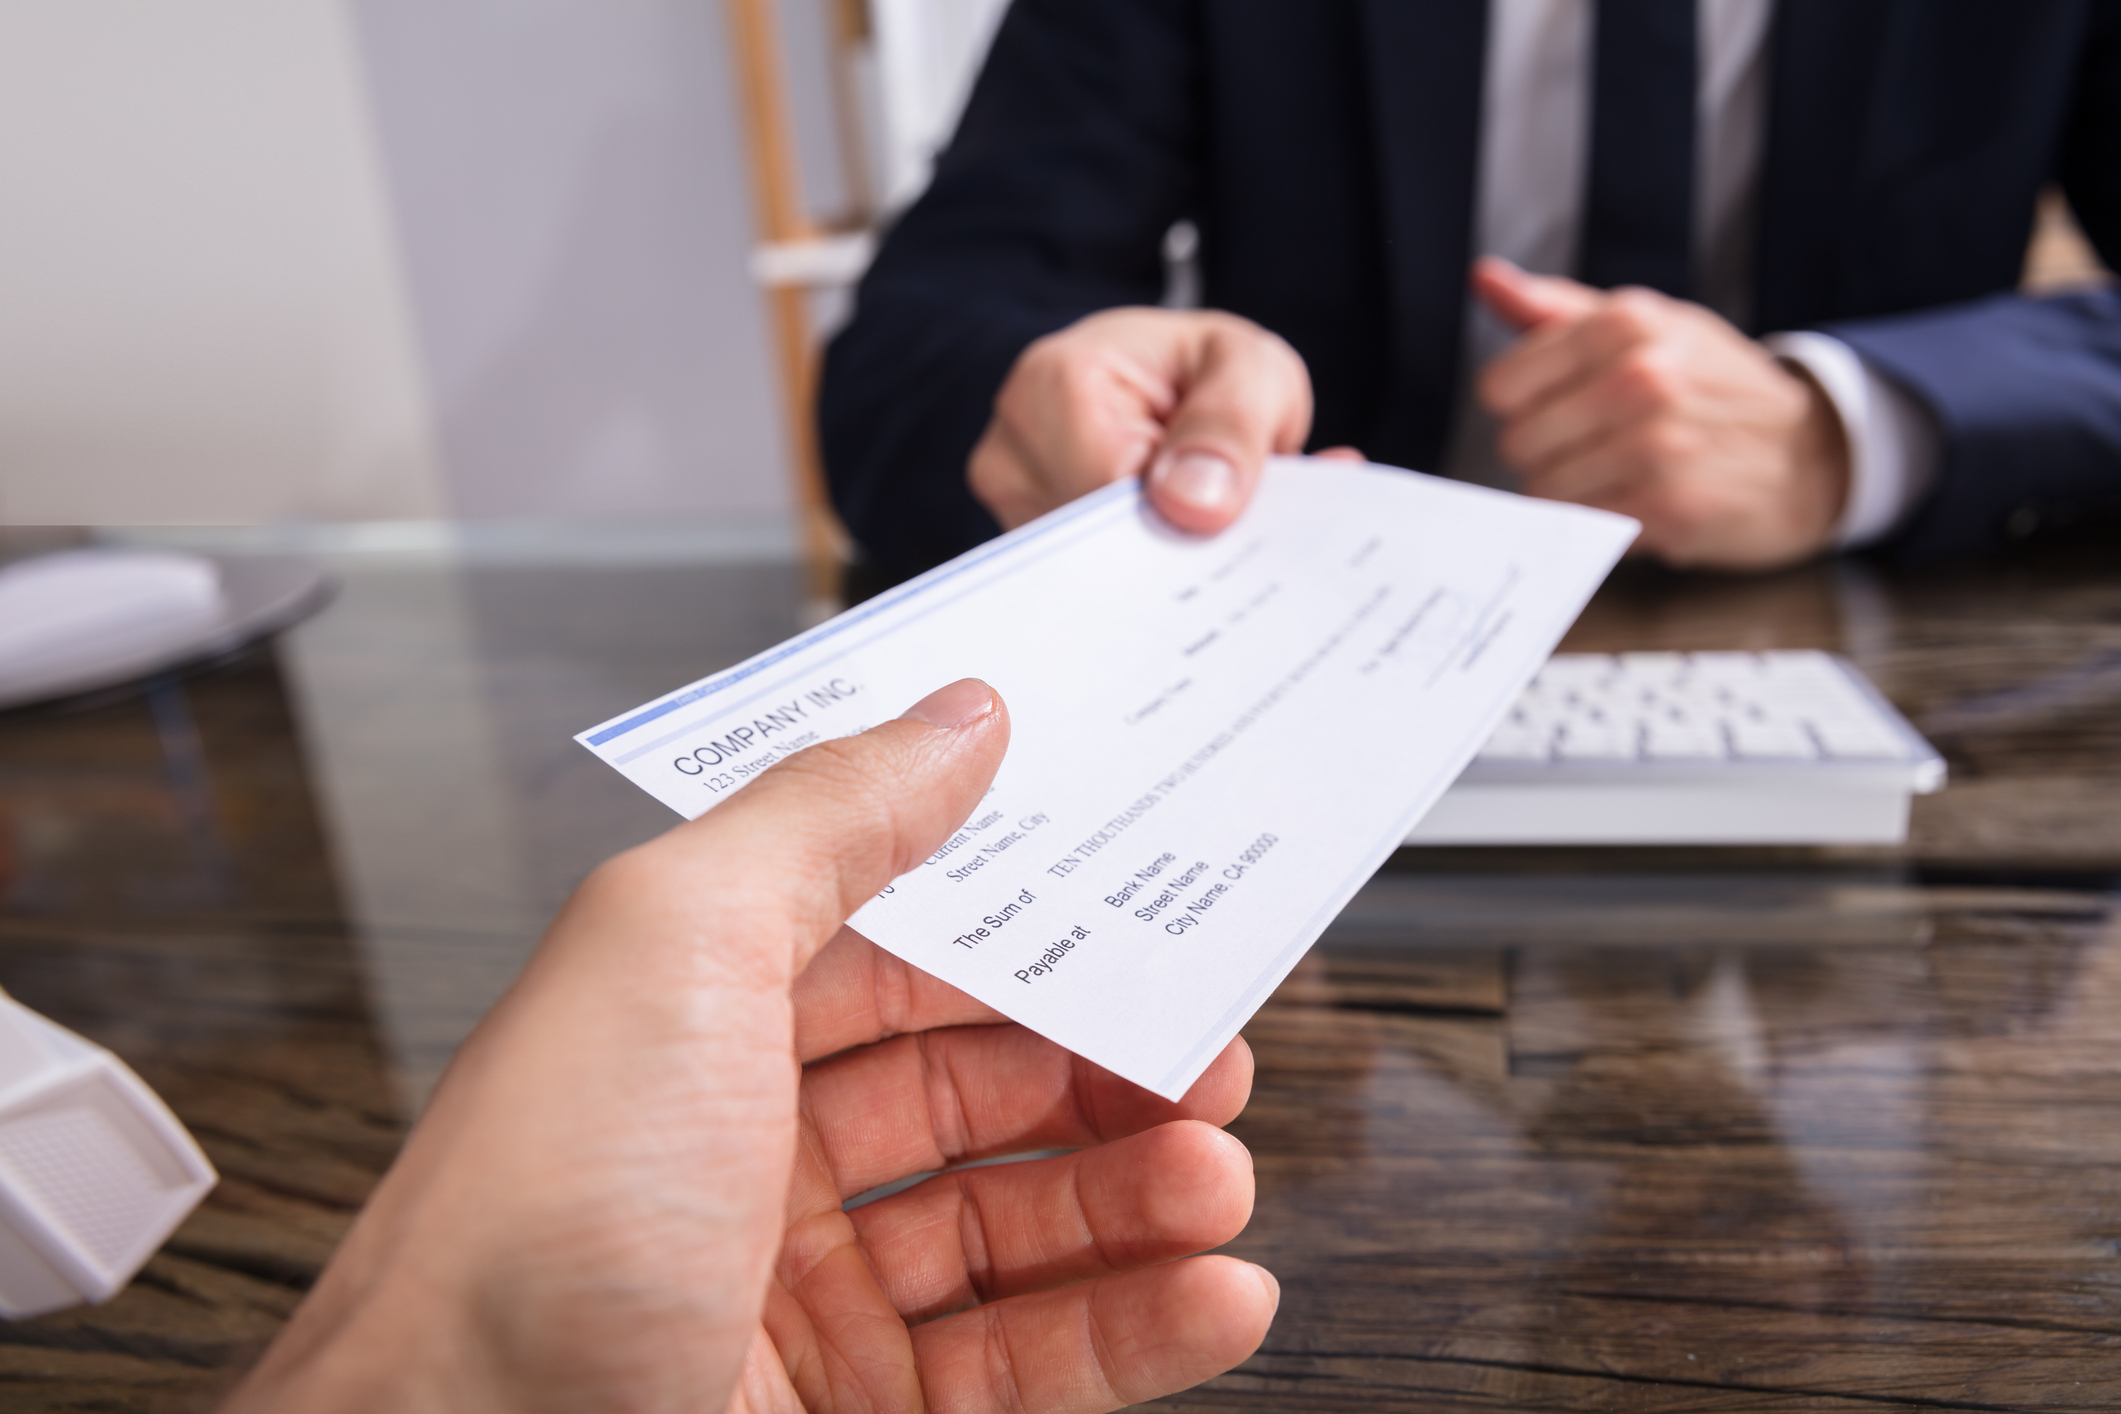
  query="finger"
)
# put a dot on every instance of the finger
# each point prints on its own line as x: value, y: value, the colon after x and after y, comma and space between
x: 1599, y: 472
x: 1340, y: 454
x: 981, y: 1234
x: 854, y: 993
x: 1080, y: 409
x: 1634, y: 388
x: 1525, y: 301
x: 1062, y: 435
x: 925, y: 1101
x: 763, y: 1386
x: 1686, y: 519
x: 1099, y: 1346
x: 1003, y: 479
x: 1558, y: 356
x: 758, y: 885
x: 1244, y: 396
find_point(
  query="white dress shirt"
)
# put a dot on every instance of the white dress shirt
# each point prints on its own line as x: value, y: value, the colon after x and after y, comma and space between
x: 1535, y: 126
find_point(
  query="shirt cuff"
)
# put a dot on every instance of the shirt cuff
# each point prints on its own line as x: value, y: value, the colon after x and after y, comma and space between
x: 1892, y: 438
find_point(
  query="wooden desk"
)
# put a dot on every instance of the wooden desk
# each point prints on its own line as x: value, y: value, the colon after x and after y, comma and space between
x: 1535, y: 1129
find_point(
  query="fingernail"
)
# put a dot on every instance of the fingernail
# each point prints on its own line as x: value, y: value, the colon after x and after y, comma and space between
x: 963, y: 702
x: 1273, y: 1286
x: 1201, y: 480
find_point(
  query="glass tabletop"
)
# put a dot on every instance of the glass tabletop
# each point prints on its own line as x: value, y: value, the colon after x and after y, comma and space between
x: 1658, y: 1129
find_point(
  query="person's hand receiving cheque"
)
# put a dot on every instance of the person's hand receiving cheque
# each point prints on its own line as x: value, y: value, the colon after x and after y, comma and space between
x: 1192, y: 401
x: 1661, y: 410
x: 627, y: 1192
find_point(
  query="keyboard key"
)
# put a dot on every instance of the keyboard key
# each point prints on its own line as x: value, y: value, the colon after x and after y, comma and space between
x: 1768, y: 740
x: 1537, y: 698
x: 1736, y: 669
x: 1571, y: 670
x: 1596, y: 741
x: 1793, y: 660
x: 1636, y: 698
x: 1699, y: 700
x: 1538, y: 723
x: 1652, y: 668
x: 1807, y: 667
x: 1682, y: 741
x: 1856, y: 740
x: 1516, y: 743
x: 1823, y: 692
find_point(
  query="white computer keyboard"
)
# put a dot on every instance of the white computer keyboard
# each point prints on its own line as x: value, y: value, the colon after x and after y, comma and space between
x: 1686, y: 748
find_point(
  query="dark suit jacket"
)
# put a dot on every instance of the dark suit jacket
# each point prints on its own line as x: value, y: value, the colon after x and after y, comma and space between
x: 1327, y: 150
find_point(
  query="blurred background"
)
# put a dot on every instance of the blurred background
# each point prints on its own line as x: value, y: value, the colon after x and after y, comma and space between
x: 331, y: 262
x: 306, y: 263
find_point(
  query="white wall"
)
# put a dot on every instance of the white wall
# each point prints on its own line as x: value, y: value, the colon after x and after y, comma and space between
x: 201, y: 316
x: 267, y: 260
x: 570, y: 187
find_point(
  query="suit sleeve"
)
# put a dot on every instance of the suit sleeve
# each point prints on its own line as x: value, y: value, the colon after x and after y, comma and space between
x: 1077, y: 152
x: 2026, y: 391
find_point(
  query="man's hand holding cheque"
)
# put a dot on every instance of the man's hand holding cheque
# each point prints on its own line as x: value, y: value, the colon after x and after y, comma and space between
x: 1626, y: 400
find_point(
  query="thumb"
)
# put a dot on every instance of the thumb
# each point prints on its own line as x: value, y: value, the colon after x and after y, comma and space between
x: 758, y: 885
x: 1246, y: 396
x: 1526, y: 301
x: 819, y: 834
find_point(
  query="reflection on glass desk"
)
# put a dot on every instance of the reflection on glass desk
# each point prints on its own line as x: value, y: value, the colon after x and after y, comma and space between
x: 1763, y: 1129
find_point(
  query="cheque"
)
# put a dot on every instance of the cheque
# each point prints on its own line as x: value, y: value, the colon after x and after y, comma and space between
x: 1214, y: 741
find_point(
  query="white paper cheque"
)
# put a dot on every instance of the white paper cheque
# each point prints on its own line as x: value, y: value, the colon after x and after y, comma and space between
x: 1215, y: 741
